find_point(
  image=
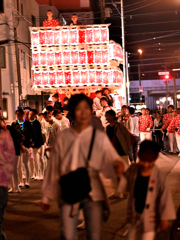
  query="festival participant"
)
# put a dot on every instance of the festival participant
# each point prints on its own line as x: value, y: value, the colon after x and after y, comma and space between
x: 170, y: 125
x: 145, y: 125
x: 28, y: 134
x: 70, y: 151
x: 7, y: 154
x: 102, y: 113
x: 157, y: 128
x: 105, y: 92
x: 125, y: 118
x: 50, y: 21
x: 65, y: 101
x: 38, y: 142
x: 26, y: 113
x: 63, y: 121
x: 150, y: 204
x: 96, y: 102
x: 74, y: 18
x: 57, y: 103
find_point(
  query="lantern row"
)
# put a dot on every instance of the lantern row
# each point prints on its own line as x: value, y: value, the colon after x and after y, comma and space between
x: 73, y: 36
x: 85, y: 77
x: 78, y: 57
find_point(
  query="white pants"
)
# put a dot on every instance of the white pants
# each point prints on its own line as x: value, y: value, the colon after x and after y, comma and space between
x: 178, y: 141
x: 23, y: 161
x: 172, y: 142
x: 42, y: 160
x: 145, y: 136
x: 14, y: 183
x: 36, y: 161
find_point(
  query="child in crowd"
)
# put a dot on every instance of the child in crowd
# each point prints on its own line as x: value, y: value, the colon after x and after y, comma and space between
x: 150, y: 204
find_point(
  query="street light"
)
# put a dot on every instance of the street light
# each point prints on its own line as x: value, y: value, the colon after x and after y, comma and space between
x: 157, y: 102
x: 140, y: 51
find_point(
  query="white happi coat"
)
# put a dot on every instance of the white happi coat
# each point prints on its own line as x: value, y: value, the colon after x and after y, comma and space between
x: 158, y: 205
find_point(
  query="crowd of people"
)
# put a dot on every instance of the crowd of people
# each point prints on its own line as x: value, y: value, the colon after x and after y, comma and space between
x: 48, y: 145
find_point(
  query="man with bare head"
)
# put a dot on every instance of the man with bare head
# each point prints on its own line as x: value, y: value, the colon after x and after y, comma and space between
x: 50, y: 21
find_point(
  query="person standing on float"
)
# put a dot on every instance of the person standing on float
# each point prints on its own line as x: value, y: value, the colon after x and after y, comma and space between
x: 50, y: 21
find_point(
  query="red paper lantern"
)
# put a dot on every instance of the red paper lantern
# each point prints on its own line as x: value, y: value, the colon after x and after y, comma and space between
x: 110, y: 77
x: 50, y: 59
x: 67, y: 77
x: 45, y: 77
x: 49, y: 38
x: 105, y: 77
x: 60, y: 78
x: 82, y: 57
x: 97, y: 35
x: 114, y: 76
x: 35, y: 56
x: 35, y: 38
x: 104, y: 35
x: 66, y: 57
x: 74, y: 57
x: 90, y: 56
x: 58, y: 58
x: 82, y: 36
x: 118, y: 52
x: 42, y: 37
x: 84, y: 77
x: 76, y: 77
x: 65, y: 37
x: 52, y: 78
x: 57, y: 38
x: 37, y: 78
x: 98, y: 56
x: 43, y: 58
x: 92, y: 76
x: 73, y: 36
x: 99, y: 76
x: 119, y: 77
x: 89, y: 36
x: 105, y: 56
x: 112, y: 51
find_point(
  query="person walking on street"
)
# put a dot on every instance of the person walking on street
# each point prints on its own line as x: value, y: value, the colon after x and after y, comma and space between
x: 157, y: 129
x: 145, y: 125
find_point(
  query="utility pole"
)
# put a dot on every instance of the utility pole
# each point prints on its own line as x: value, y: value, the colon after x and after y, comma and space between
x: 127, y: 73
x: 1, y: 100
x: 175, y: 97
x: 139, y: 73
x: 102, y: 7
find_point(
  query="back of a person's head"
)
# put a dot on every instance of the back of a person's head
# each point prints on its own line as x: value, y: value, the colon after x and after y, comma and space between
x: 131, y: 110
x: 34, y: 111
x: 148, y: 151
x: 49, y: 108
x: 57, y: 111
x: 27, y: 108
x: 65, y: 107
x: 111, y: 112
x: 56, y: 95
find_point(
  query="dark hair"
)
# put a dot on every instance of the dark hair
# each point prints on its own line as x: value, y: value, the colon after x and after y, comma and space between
x: 171, y: 106
x: 0, y: 108
x: 50, y: 108
x: 40, y: 114
x: 65, y: 99
x: 65, y: 107
x: 124, y: 106
x: 159, y: 112
x: 56, y: 95
x: 74, y: 14
x: 75, y: 100
x: 104, y: 98
x: 34, y: 111
x: 56, y: 112
x: 148, y: 109
x: 27, y: 108
x: 98, y: 91
x: 149, y: 151
x: 19, y: 109
x: 45, y: 113
x: 112, y: 113
x: 49, y: 10
x: 131, y: 110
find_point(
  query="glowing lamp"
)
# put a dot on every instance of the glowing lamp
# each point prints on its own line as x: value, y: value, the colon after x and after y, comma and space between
x: 105, y: 56
x: 35, y: 56
x: 105, y: 77
x: 74, y: 57
x: 37, y: 78
x: 50, y: 58
x: 82, y: 57
x: 166, y: 76
x: 84, y: 77
x: 58, y: 58
x: 98, y: 56
x: 45, y: 77
x: 65, y: 37
x: 49, y: 38
x: 73, y: 36
x: 97, y: 35
x: 66, y: 57
x: 82, y: 36
x: 35, y: 38
x: 98, y: 76
x: 90, y: 56
x: 67, y: 77
x: 76, y: 76
x: 89, y: 36
x: 60, y: 78
x: 92, y: 76
x: 52, y: 78
x: 104, y: 35
x: 42, y: 37
x: 43, y: 58
x: 57, y: 38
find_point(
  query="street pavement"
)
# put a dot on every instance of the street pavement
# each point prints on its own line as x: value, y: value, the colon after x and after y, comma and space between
x: 24, y: 219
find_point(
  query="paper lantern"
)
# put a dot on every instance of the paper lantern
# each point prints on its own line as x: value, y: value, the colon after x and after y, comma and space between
x: 97, y: 35
x: 74, y: 57
x: 42, y: 37
x: 82, y: 57
x: 66, y: 57
x: 98, y: 56
x: 60, y: 77
x: 58, y: 58
x: 65, y: 37
x: 118, y: 52
x: 45, y: 77
x: 35, y: 38
x: 114, y: 76
x: 119, y: 77
x: 105, y: 77
x: 73, y: 36
x: 49, y: 38
x: 104, y: 35
x: 76, y: 77
x: 50, y: 58
x: 37, y: 78
x: 90, y: 56
x: 67, y: 77
x: 98, y: 76
x: 84, y: 77
x: 110, y: 77
x: 105, y: 56
x: 35, y: 57
x: 82, y: 36
x: 89, y: 36
x: 57, y: 38
x: 92, y: 76
x: 52, y: 78
x: 43, y: 58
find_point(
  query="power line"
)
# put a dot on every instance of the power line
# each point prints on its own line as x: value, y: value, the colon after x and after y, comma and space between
x: 144, y: 33
x: 158, y: 63
x: 142, y: 24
